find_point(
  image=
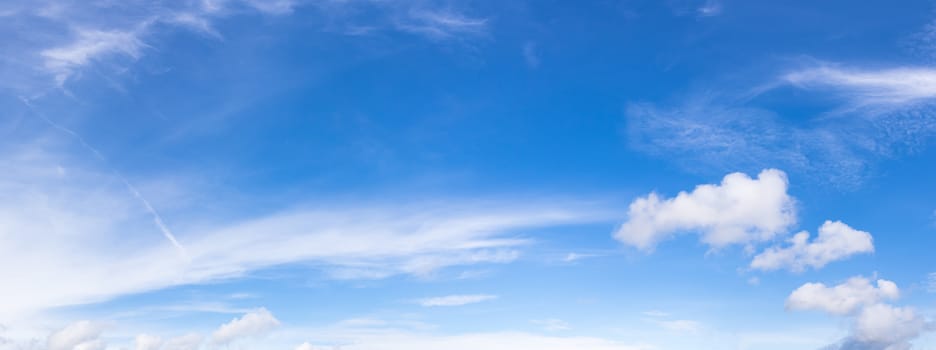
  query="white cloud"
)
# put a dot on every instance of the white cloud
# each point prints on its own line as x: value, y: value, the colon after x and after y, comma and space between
x: 52, y: 222
x: 90, y: 45
x: 81, y: 335
x: 191, y: 341
x: 552, y: 324
x: 440, y: 25
x: 844, y: 298
x: 252, y: 324
x: 873, y: 114
x: 148, y: 342
x: 885, y: 324
x: 875, y: 324
x: 573, y: 257
x: 870, y: 87
x: 456, y: 300
x: 836, y: 241
x: 711, y: 8
x: 394, y: 340
x: 740, y: 210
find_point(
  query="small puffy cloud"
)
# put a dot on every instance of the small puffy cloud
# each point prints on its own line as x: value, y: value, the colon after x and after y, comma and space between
x: 844, y: 298
x: 305, y: 346
x: 836, y: 241
x: 552, y: 324
x: 81, y: 335
x: 456, y: 300
x: 740, y: 210
x: 148, y: 342
x: 253, y: 323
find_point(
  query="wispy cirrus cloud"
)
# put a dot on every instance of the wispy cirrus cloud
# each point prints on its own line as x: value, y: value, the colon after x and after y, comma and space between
x: 875, y: 114
x: 441, y: 24
x: 75, y: 37
x: 88, y: 46
x: 59, y: 213
x: 889, y: 87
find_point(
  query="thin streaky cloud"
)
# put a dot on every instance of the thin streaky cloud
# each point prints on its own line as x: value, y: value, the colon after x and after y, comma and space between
x: 157, y: 219
x: 456, y: 300
x: 891, y: 87
x: 440, y: 24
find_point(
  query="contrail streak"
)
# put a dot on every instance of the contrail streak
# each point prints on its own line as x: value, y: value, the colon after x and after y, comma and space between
x: 157, y: 219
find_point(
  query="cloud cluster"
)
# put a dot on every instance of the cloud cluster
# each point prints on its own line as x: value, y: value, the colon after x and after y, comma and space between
x: 87, y: 335
x: 875, y: 323
x: 740, y: 210
x: 836, y: 241
x: 255, y: 330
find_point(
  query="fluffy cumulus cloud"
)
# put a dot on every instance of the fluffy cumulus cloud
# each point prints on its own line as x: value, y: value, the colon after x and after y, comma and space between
x: 740, y: 210
x: 836, y: 241
x: 81, y: 335
x: 456, y: 300
x: 252, y: 324
x: 844, y: 298
x: 876, y: 324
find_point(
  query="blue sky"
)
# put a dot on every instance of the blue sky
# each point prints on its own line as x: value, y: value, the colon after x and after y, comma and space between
x: 369, y: 175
